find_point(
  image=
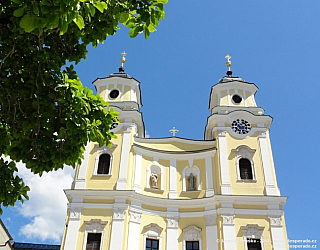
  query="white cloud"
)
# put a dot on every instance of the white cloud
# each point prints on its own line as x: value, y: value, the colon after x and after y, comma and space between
x: 47, y: 205
x: 146, y: 134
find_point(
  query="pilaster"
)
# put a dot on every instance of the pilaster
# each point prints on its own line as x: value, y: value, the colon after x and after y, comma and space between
x: 223, y: 158
x: 73, y: 227
x: 124, y: 158
x: 211, y: 232
x: 81, y: 178
x: 134, y: 231
x: 209, y: 177
x: 172, y: 233
x: 173, y: 180
x: 229, y: 233
x: 119, y: 211
x: 267, y: 166
x: 277, y: 233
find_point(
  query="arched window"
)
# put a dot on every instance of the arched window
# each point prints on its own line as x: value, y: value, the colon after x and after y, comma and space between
x: 104, y: 164
x: 245, y: 169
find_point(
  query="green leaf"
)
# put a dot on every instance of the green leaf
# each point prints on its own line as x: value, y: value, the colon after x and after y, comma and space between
x: 162, y: 1
x: 79, y: 22
x: 123, y: 17
x: 18, y: 12
x: 99, y: 6
x: 35, y: 10
x: 27, y: 23
x: 17, y: 1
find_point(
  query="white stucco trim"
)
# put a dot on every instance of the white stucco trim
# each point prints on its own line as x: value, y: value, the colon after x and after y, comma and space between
x: 173, y: 180
x: 211, y: 232
x: 103, y: 150
x: 81, y: 179
x: 209, y: 177
x: 229, y: 233
x: 73, y: 227
x: 137, y: 173
x: 266, y: 164
x: 124, y: 158
x: 116, y: 237
x: 152, y: 231
x: 134, y: 231
x: 223, y: 160
x: 244, y: 152
x: 252, y: 231
x: 94, y: 226
x: 192, y: 233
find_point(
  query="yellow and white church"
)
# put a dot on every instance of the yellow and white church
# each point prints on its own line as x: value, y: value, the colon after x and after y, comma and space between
x: 219, y: 193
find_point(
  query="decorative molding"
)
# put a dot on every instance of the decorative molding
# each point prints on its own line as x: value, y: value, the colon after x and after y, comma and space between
x: 119, y: 213
x: 172, y: 222
x: 211, y: 220
x: 262, y: 134
x: 153, y: 230
x: 227, y: 219
x: 95, y: 225
x: 135, y: 217
x: 75, y: 212
x: 222, y: 133
x: 192, y: 233
x: 252, y: 231
x: 275, y: 221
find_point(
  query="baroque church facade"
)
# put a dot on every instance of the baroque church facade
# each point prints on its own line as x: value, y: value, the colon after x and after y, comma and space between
x: 219, y: 193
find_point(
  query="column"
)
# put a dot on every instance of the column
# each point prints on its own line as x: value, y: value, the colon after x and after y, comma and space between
x: 81, y: 178
x: 137, y: 175
x: 73, y: 227
x: 209, y: 176
x: 267, y: 166
x: 134, y: 231
x: 223, y: 158
x: 277, y: 234
x: 229, y: 234
x: 122, y: 181
x: 173, y: 180
x: 117, y: 228
x: 211, y: 232
x: 172, y: 233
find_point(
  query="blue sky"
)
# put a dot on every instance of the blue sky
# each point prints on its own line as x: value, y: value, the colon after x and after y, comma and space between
x: 274, y: 44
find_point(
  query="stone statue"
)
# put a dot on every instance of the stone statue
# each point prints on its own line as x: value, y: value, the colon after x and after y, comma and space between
x: 154, y: 180
x: 192, y: 182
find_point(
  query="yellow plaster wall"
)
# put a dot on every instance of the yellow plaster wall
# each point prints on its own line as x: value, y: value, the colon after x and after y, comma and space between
x: 249, y: 99
x: 224, y: 98
x: 240, y: 187
x: 126, y: 94
x: 102, y: 91
x: 103, y: 181
x: 176, y: 146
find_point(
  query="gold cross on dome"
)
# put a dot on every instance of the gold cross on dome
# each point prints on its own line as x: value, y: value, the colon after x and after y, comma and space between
x: 123, y: 59
x: 228, y: 63
x: 174, y: 131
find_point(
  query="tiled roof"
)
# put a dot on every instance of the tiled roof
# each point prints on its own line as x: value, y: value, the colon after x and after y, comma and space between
x: 30, y: 246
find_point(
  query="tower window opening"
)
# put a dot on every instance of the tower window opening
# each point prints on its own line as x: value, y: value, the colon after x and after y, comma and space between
x: 245, y: 169
x: 192, y: 245
x: 254, y: 244
x: 104, y: 164
x: 114, y: 93
x: 152, y: 244
x: 93, y: 241
x: 236, y: 99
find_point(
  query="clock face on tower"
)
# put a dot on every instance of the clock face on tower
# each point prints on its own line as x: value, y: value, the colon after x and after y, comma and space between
x: 241, y: 126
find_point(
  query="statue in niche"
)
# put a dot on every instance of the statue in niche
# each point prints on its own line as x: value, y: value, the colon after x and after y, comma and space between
x: 192, y: 182
x: 154, y: 180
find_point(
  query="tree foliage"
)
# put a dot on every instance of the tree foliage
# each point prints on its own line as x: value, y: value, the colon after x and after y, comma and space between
x: 46, y: 115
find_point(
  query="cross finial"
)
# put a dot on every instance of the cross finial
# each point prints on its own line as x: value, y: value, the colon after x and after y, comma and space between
x: 122, y: 60
x: 174, y: 131
x: 228, y: 63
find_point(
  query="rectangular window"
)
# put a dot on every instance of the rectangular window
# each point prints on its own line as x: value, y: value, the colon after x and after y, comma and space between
x: 93, y: 241
x: 152, y: 244
x: 192, y: 245
x: 254, y: 244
